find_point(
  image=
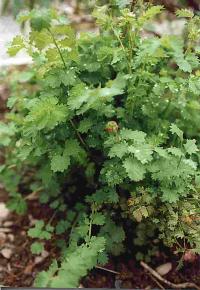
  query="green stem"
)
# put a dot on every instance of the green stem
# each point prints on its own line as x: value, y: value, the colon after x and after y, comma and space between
x: 90, y: 229
x: 59, y: 51
x: 181, y: 155
x: 52, y: 217
x: 64, y: 64
x: 123, y: 48
x: 72, y: 227
x: 79, y: 135
x: 90, y: 226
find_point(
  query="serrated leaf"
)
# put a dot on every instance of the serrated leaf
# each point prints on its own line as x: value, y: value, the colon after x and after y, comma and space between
x: 183, y: 63
x: 44, y: 277
x: 6, y: 133
x: 41, y: 19
x: 143, y: 152
x: 78, y: 95
x: 194, y: 84
x: 82, y: 96
x: 52, y: 55
x: 191, y: 146
x: 137, y: 136
x: 76, y: 264
x: 16, y: 45
x: 40, y: 39
x: 175, y: 151
x: 184, y: 13
x: 60, y: 163
x: 98, y: 219
x: 47, y: 113
x: 36, y: 231
x: 175, y: 130
x: 170, y: 195
x: 118, y: 150
x: 103, y: 258
x: 149, y: 14
x: 62, y: 226
x: 162, y: 152
x: 37, y: 248
x: 68, y: 77
x: 140, y: 213
x: 17, y: 204
x: 85, y: 125
x: 134, y: 169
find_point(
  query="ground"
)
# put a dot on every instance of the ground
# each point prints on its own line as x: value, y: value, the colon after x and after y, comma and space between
x: 18, y: 267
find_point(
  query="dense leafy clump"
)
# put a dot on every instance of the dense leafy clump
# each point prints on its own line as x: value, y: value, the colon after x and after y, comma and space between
x: 109, y: 138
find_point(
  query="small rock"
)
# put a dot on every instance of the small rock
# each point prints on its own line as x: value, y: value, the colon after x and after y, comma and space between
x: 164, y: 269
x: 40, y: 259
x: 11, y: 237
x: 8, y: 224
x: 4, y: 212
x: 2, y: 239
x: 6, y: 253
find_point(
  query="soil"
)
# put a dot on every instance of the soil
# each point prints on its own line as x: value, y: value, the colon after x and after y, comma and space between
x: 21, y: 268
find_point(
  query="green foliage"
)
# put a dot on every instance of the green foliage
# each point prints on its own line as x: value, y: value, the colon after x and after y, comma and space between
x: 185, y: 13
x: 41, y: 231
x: 17, y: 45
x: 37, y: 248
x: 17, y: 203
x: 74, y: 266
x: 111, y: 134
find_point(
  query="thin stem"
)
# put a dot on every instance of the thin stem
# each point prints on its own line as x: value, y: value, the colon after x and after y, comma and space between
x: 90, y: 226
x: 79, y: 135
x: 59, y: 51
x: 64, y: 64
x: 123, y: 48
x: 52, y: 217
x: 90, y: 230
x: 72, y: 227
x: 181, y: 155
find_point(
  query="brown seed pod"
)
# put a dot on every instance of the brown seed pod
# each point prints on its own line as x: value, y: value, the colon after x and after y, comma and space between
x: 112, y: 127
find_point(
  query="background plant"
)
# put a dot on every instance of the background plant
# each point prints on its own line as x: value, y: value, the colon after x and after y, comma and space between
x: 109, y: 138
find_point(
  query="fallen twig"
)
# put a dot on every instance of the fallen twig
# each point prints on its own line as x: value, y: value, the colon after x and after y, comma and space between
x: 156, y: 281
x: 108, y: 270
x: 34, y: 195
x: 176, y: 286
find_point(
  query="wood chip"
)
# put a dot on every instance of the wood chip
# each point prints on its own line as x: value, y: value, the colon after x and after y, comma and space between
x: 4, y: 212
x: 2, y: 239
x: 41, y: 258
x: 6, y: 253
x: 11, y: 237
x: 8, y: 224
x: 29, y: 268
